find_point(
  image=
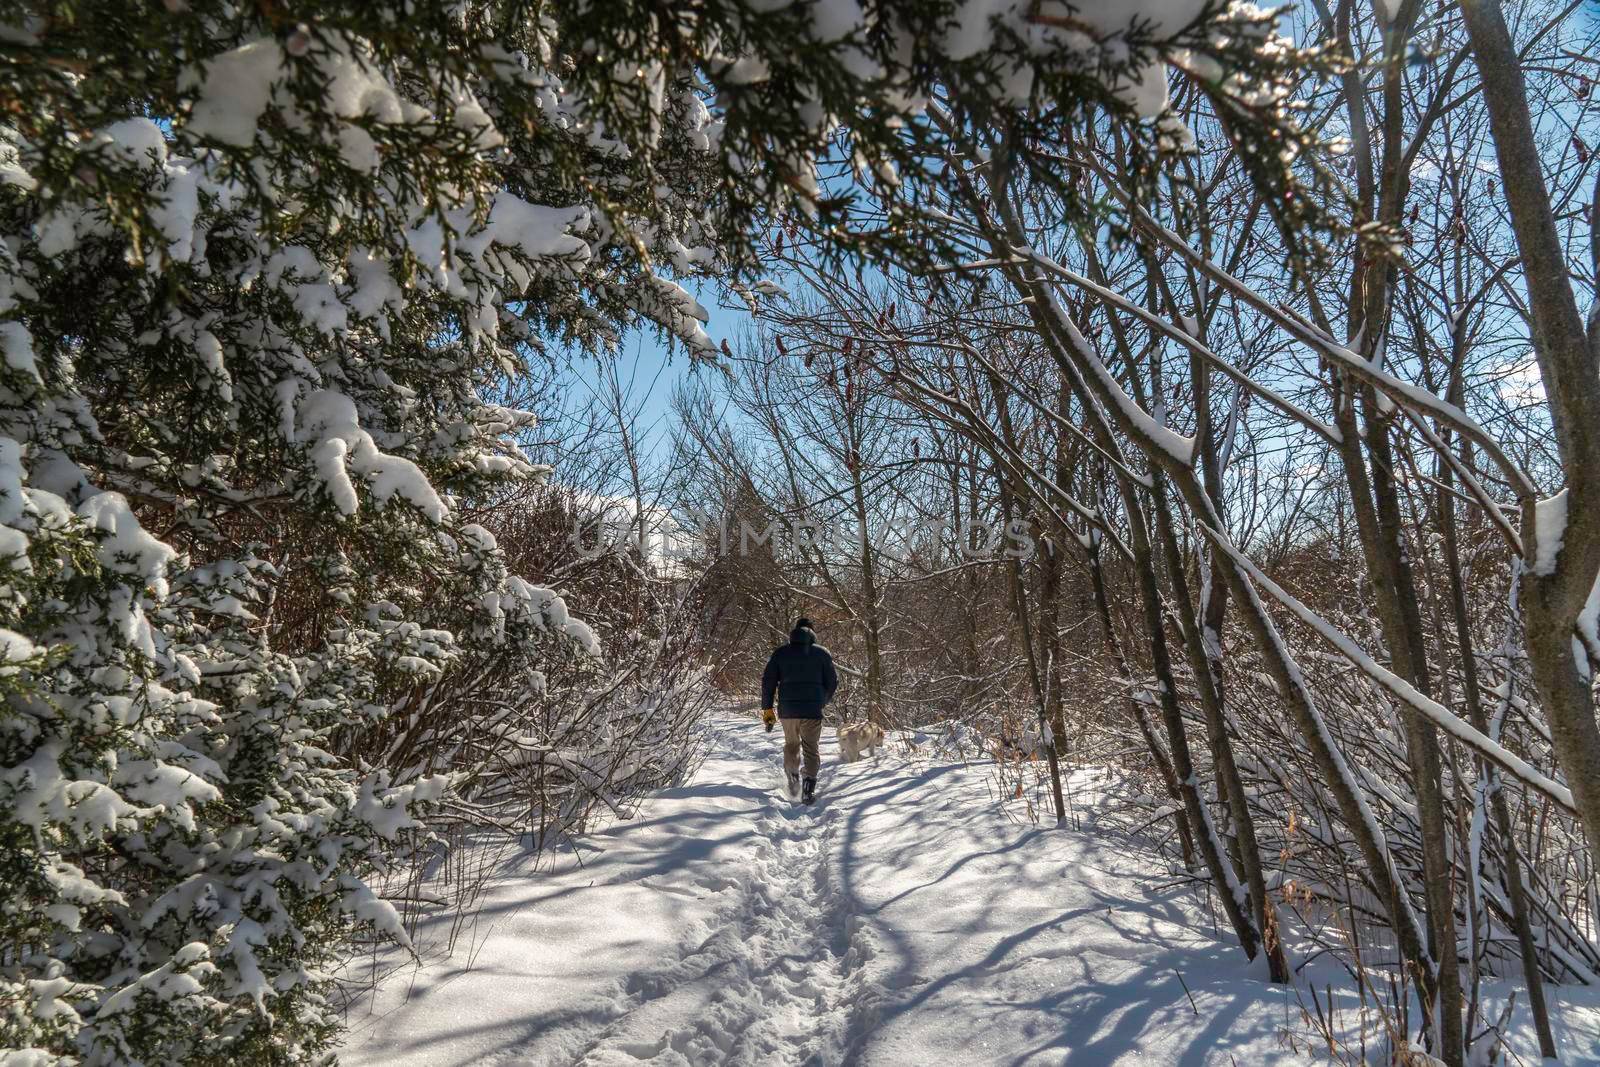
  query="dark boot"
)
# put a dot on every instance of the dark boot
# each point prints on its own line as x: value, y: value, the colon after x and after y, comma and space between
x: 793, y: 785
x: 809, y: 792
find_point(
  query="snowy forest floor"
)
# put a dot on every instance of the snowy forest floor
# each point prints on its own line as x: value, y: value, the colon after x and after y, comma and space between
x: 903, y: 919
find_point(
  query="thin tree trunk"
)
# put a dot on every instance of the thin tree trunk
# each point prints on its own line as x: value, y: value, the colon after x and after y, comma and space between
x: 871, y: 616
x: 1019, y: 603
x: 1488, y: 773
x: 1557, y: 585
x: 1050, y: 566
x: 1378, y: 519
x: 1163, y: 763
x: 1230, y: 784
x: 1210, y: 845
x: 1378, y: 528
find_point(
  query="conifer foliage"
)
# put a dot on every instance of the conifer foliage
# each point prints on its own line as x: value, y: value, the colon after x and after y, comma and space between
x: 259, y: 281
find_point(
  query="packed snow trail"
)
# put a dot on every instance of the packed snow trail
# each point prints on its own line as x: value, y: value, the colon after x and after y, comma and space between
x: 776, y: 981
x: 902, y: 919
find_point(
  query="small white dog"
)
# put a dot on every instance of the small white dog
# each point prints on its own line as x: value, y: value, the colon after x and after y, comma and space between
x: 856, y: 738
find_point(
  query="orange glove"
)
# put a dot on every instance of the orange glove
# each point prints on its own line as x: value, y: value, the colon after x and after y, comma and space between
x: 769, y: 717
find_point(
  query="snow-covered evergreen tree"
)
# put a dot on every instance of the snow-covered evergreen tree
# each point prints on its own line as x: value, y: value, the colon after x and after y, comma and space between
x: 261, y: 273
x: 258, y: 281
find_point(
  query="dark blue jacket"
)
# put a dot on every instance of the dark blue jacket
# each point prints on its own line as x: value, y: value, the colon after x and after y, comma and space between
x: 800, y: 674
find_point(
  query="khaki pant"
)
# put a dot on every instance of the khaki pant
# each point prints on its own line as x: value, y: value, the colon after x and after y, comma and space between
x: 798, y: 735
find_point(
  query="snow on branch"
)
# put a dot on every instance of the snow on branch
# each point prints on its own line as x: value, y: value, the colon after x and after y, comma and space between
x: 1403, y: 393
x: 1397, y: 686
x: 1324, y: 430
x: 1490, y: 506
x: 1174, y: 444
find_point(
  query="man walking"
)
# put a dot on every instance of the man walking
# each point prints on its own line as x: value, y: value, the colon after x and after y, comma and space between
x: 800, y: 676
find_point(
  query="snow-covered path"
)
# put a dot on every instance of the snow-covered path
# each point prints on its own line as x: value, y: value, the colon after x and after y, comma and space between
x: 903, y: 919
x: 778, y: 979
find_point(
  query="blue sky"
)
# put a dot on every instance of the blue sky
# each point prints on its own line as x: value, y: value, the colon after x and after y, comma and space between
x: 654, y: 371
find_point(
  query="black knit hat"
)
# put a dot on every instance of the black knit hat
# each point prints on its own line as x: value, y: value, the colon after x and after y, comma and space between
x: 803, y: 624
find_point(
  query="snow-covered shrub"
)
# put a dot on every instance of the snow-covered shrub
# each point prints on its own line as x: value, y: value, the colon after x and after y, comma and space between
x: 542, y: 740
x: 597, y: 744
